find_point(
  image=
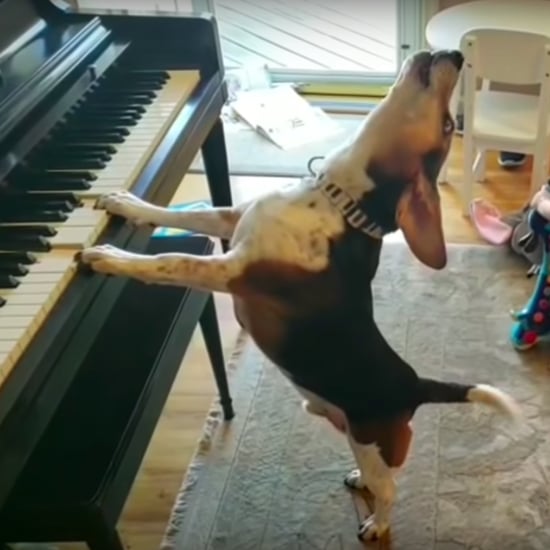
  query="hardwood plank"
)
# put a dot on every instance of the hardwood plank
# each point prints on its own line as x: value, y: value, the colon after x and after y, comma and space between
x: 375, y: 17
x: 238, y: 31
x: 245, y: 49
x: 382, y: 49
x: 351, y: 52
x: 309, y: 52
x: 180, y: 426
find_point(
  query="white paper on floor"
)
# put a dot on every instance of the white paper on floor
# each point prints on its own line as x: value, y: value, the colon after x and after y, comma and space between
x: 284, y: 117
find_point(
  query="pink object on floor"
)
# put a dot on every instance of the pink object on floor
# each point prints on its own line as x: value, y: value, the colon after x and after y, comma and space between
x: 488, y: 221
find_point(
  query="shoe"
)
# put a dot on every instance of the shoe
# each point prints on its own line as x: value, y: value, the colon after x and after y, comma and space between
x: 511, y: 160
x: 487, y: 219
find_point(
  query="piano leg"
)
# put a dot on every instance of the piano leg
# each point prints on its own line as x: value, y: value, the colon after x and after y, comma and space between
x: 216, y: 166
x: 211, y: 334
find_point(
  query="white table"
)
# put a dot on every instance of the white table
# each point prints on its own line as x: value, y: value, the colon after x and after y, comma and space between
x: 445, y: 29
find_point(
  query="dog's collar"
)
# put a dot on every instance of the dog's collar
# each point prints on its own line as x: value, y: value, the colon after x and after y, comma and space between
x: 350, y: 210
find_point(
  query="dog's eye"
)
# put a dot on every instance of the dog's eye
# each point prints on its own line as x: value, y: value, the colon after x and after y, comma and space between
x: 448, y: 125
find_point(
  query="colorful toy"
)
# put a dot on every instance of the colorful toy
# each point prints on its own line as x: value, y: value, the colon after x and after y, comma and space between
x: 533, y: 322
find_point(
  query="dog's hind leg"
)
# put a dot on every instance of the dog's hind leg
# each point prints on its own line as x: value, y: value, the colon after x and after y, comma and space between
x: 380, y: 448
x: 216, y: 222
x: 375, y: 475
x: 209, y: 273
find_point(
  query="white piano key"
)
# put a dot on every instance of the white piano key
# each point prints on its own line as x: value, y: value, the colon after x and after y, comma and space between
x: 28, y: 305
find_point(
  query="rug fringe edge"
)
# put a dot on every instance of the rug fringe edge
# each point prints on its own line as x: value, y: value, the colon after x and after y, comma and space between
x: 212, y: 421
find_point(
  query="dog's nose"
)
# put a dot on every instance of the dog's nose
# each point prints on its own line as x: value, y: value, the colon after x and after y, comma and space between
x: 457, y: 58
x: 454, y: 56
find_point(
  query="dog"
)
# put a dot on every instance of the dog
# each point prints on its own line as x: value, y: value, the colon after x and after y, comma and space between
x: 300, y: 265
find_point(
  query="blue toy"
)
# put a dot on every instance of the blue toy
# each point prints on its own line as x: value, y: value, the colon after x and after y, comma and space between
x: 533, y: 322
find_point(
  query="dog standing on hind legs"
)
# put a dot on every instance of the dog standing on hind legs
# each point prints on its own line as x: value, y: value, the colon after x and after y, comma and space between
x: 301, y: 264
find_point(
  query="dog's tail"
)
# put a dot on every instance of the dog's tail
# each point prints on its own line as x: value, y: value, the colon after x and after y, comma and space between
x: 435, y: 391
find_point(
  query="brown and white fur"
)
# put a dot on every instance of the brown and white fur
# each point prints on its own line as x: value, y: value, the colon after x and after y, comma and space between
x: 300, y: 274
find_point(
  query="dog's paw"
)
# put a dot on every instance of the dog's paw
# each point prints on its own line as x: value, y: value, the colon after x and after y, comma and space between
x: 312, y: 408
x: 101, y: 258
x: 126, y: 205
x: 370, y: 531
x: 353, y: 480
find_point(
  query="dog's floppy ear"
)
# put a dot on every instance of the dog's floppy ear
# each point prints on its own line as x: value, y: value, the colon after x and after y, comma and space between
x: 405, y: 191
x: 419, y: 217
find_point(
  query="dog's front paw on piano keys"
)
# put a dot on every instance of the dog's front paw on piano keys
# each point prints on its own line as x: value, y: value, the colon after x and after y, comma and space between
x: 127, y: 206
x: 105, y: 259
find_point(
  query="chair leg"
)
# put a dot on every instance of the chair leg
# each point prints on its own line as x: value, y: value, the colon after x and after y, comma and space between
x: 211, y: 334
x: 468, y: 176
x: 480, y: 166
x: 105, y: 538
x: 539, y: 173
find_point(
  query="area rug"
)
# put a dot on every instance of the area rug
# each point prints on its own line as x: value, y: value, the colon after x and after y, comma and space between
x: 271, y: 479
x: 249, y: 153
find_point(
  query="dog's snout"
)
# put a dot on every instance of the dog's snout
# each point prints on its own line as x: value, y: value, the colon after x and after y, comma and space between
x: 455, y: 56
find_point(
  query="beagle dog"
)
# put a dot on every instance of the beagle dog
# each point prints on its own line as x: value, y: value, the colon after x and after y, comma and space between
x: 301, y: 262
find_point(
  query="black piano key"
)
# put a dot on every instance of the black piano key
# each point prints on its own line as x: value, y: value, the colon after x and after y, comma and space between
x: 122, y: 102
x: 126, y: 117
x: 143, y: 76
x: 107, y: 120
x: 28, y: 201
x: 139, y: 96
x: 28, y: 174
x: 26, y: 258
x: 91, y: 107
x: 31, y: 215
x: 25, y: 242
x: 78, y: 137
x: 8, y: 281
x: 7, y: 231
x: 14, y: 269
x: 57, y: 199
x: 93, y: 127
x: 84, y: 163
x: 78, y: 148
x: 117, y: 97
x: 71, y: 155
x: 133, y: 83
x: 66, y: 202
x: 51, y: 183
x: 2, y: 301
x: 84, y: 141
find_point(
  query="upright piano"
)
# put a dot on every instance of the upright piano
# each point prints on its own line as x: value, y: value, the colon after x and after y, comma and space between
x: 91, y: 103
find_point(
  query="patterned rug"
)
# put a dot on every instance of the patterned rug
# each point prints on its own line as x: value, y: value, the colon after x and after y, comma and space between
x: 272, y: 478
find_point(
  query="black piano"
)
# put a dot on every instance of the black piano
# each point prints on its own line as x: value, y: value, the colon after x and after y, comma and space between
x: 90, y: 103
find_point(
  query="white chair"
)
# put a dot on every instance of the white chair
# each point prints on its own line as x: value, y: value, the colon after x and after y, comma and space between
x: 504, y: 121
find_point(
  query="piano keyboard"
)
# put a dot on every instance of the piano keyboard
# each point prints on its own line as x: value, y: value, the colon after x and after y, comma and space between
x: 101, y: 145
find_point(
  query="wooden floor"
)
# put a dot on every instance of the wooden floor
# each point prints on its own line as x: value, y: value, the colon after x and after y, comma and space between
x: 173, y: 444
x: 310, y: 34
